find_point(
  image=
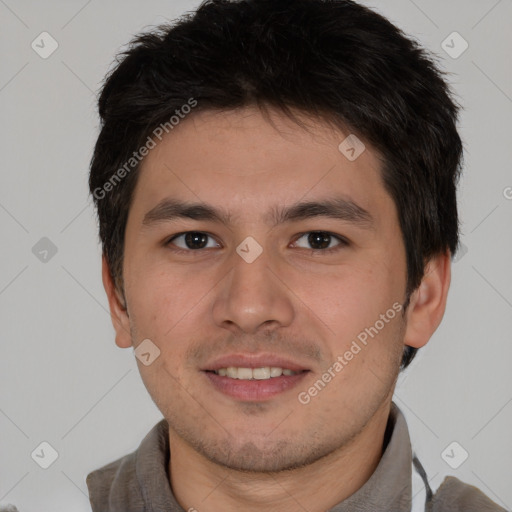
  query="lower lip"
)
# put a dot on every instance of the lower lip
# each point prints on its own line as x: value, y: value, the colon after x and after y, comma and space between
x: 254, y: 390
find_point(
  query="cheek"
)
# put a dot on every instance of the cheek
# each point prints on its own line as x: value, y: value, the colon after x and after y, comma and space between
x: 162, y: 303
x: 351, y: 298
x: 160, y: 296
x: 165, y: 307
x: 359, y: 305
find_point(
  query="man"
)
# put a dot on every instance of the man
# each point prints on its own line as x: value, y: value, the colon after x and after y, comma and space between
x: 275, y: 183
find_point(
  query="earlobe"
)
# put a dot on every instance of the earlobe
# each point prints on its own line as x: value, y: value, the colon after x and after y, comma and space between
x: 118, y: 312
x: 428, y: 302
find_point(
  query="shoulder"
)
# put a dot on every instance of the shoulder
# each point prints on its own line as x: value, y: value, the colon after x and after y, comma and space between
x: 113, y: 478
x: 453, y: 495
x: 120, y: 485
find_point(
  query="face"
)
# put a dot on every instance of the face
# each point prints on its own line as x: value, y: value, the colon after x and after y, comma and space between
x: 311, y: 290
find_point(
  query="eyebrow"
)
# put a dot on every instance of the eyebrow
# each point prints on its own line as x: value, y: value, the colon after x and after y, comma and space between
x: 336, y: 208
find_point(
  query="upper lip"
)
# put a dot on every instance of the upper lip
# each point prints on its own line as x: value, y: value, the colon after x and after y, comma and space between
x: 254, y: 361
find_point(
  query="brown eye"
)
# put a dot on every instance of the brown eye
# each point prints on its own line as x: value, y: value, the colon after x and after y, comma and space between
x: 191, y: 240
x: 321, y: 241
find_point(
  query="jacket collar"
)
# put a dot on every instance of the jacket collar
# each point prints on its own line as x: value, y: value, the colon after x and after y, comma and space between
x: 140, y: 481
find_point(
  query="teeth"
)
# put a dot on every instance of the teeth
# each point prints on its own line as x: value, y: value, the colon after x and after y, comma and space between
x: 232, y: 372
x: 260, y: 373
x: 263, y: 373
x: 275, y: 371
x: 244, y: 373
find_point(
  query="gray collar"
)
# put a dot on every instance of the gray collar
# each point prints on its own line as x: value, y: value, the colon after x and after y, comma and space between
x: 389, y: 487
x: 140, y: 481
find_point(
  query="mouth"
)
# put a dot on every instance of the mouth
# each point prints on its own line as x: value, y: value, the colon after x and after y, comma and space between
x: 263, y: 373
x: 252, y: 378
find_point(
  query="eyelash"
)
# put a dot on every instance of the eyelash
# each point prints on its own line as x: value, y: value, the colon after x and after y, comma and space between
x: 343, y: 242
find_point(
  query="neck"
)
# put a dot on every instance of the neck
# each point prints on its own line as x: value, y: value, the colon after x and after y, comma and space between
x: 201, y: 485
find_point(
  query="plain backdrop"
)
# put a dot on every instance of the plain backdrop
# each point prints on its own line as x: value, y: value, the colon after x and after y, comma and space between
x: 63, y: 379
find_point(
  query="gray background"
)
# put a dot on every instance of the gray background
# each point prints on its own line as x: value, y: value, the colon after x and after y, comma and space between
x: 64, y: 381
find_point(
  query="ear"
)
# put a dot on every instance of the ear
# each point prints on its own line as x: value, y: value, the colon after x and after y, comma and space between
x: 118, y: 312
x: 428, y: 302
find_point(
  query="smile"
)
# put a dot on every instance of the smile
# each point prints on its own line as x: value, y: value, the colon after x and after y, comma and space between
x: 266, y: 372
x: 253, y: 384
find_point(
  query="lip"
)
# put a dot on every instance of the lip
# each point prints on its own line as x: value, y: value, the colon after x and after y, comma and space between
x: 254, y: 361
x: 254, y: 390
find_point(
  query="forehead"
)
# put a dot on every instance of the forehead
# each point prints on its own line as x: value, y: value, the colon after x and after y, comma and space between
x: 248, y: 161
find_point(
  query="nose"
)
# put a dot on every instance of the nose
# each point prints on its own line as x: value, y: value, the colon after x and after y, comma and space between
x: 253, y: 296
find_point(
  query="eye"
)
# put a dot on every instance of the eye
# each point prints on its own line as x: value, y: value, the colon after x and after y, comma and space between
x: 196, y: 240
x: 320, y: 241
x: 192, y: 240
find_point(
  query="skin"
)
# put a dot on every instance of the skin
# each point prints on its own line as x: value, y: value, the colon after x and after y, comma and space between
x: 279, y: 454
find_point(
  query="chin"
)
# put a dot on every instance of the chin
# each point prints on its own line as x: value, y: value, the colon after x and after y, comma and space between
x: 276, y: 457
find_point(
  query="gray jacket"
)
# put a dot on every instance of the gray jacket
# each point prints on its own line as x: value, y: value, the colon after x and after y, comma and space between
x: 139, y: 482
